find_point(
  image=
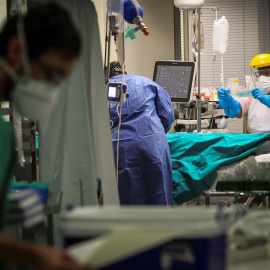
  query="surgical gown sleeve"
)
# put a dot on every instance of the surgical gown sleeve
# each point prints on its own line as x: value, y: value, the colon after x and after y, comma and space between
x: 245, y: 103
x: 164, y: 108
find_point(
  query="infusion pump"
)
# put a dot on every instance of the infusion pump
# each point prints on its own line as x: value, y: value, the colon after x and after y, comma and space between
x: 117, y: 92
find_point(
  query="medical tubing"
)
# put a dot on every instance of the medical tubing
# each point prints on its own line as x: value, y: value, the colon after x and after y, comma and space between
x: 126, y: 58
x: 23, y: 43
x: 222, y: 74
x: 117, y: 150
x: 124, y: 78
x: 118, y: 117
x: 108, y: 59
x: 212, y: 120
x: 199, y: 75
x: 106, y: 40
x: 213, y: 68
x: 112, y: 107
x: 189, y: 117
x: 17, y: 124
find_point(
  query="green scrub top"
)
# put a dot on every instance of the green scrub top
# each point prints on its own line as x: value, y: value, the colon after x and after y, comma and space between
x: 7, y: 159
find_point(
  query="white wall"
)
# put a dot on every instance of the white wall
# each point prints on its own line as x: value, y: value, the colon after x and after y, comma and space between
x: 142, y: 52
x: 159, y: 44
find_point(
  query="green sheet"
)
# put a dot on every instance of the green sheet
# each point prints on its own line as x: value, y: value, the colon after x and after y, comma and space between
x: 196, y: 159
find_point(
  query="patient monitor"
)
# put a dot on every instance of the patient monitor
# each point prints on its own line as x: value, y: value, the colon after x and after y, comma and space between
x: 177, y: 78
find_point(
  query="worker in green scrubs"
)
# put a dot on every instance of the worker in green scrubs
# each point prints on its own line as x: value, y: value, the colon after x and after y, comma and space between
x: 37, y: 51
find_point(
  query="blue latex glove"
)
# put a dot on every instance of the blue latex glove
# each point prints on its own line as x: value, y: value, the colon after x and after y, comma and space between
x: 259, y: 94
x: 231, y: 106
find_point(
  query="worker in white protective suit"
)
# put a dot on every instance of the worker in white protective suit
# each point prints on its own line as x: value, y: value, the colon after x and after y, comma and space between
x: 256, y: 107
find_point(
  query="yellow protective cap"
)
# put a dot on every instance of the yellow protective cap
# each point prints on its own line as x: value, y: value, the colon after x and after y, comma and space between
x: 260, y: 60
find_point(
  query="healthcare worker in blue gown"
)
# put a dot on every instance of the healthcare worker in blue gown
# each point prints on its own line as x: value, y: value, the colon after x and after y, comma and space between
x: 145, y: 168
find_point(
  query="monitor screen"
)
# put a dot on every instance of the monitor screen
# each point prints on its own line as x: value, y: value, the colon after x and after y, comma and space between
x: 113, y: 92
x: 175, y: 77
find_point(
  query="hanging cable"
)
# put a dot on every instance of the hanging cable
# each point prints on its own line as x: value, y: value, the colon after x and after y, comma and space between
x: 112, y: 107
x: 222, y: 74
x: 213, y: 68
x: 118, y: 118
x: 111, y: 121
x: 106, y: 42
x: 117, y: 150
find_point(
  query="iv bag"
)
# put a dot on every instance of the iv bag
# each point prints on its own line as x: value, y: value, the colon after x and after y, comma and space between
x: 220, y: 35
x: 115, y: 10
x: 195, y: 45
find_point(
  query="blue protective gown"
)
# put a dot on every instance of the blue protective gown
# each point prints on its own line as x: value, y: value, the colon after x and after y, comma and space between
x: 145, y: 170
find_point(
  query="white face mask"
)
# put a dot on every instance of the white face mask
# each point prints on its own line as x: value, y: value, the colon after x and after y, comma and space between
x: 264, y: 83
x: 34, y: 99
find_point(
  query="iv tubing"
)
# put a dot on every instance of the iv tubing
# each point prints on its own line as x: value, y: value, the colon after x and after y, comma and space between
x: 222, y: 74
x: 199, y: 75
x: 118, y: 135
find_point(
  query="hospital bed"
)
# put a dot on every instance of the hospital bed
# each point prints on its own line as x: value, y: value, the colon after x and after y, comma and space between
x: 197, y: 161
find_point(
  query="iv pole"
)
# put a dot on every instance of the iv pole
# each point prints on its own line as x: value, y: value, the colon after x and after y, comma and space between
x: 198, y: 102
x: 199, y: 73
x: 112, y: 29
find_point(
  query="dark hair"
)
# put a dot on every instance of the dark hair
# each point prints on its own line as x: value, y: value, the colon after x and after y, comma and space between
x: 47, y: 27
x: 115, y: 69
